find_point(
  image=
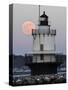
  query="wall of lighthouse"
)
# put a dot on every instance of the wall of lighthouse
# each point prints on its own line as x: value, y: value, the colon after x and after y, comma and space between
x: 48, y: 42
x: 46, y: 58
x: 36, y: 46
x: 43, y: 36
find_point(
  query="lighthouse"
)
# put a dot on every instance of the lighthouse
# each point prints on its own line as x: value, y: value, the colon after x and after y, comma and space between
x: 44, y: 47
x: 44, y: 42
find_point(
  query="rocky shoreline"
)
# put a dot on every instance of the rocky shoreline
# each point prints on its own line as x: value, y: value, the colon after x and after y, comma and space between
x: 39, y: 79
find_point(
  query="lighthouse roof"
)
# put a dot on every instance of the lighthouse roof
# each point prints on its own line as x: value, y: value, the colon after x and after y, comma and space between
x: 44, y: 15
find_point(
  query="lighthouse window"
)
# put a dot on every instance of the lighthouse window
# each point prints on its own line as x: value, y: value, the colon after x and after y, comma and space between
x: 41, y: 47
x: 42, y: 19
x: 41, y: 57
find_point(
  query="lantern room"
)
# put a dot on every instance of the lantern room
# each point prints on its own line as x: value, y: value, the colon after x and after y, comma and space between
x: 43, y: 19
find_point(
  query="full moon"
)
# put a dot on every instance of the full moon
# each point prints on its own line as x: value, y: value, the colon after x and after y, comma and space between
x: 27, y: 27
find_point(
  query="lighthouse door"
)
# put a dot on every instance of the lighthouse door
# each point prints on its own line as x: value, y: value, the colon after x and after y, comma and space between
x: 41, y: 47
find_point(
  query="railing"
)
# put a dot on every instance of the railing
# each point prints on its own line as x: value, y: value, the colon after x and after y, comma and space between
x: 53, y: 32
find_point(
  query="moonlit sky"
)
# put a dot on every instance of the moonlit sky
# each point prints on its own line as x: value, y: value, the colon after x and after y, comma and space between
x: 21, y: 13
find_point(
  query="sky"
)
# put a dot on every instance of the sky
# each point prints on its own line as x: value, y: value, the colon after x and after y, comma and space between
x: 21, y: 13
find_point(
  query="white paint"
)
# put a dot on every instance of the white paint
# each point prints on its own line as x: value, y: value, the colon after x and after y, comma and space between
x: 47, y: 58
x: 49, y: 42
x: 39, y: 60
x: 44, y: 29
x: 36, y: 46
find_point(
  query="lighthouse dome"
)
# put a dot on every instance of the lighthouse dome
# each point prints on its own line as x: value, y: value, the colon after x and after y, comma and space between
x: 44, y: 15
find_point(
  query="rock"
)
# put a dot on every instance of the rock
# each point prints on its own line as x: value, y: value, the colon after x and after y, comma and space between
x: 60, y: 79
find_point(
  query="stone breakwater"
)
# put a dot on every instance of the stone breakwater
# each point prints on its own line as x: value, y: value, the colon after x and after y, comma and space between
x: 39, y: 79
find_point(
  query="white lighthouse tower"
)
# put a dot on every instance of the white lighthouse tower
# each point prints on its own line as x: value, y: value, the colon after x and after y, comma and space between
x: 44, y: 42
x: 44, y: 56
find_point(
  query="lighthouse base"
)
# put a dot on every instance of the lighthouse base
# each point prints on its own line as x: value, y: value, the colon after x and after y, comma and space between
x: 43, y: 68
